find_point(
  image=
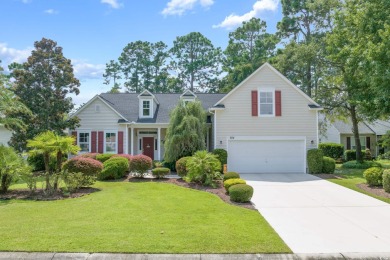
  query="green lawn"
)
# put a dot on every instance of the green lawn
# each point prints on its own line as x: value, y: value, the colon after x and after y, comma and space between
x: 352, y: 177
x: 136, y: 218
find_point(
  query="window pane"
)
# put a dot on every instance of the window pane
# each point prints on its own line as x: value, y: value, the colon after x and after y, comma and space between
x: 266, y: 109
x: 84, y: 147
x: 146, y: 111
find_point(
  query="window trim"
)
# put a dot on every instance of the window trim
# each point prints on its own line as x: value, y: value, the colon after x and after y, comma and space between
x: 90, y: 139
x: 141, y: 107
x: 116, y: 141
x: 353, y: 144
x: 262, y: 90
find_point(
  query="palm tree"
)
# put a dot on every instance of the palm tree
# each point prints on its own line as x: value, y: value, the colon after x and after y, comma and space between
x: 10, y: 104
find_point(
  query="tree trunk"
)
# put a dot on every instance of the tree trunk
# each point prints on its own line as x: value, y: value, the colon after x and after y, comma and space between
x: 355, y: 130
x: 59, y: 164
x: 46, y: 158
x: 4, y: 183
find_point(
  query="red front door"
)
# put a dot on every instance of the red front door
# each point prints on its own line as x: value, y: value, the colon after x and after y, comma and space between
x: 148, y: 146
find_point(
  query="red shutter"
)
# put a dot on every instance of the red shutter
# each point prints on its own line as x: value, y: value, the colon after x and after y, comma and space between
x: 100, y: 141
x: 278, y: 103
x: 74, y: 134
x: 255, y: 107
x: 348, y: 143
x: 368, y: 142
x: 120, y: 142
x: 93, y: 142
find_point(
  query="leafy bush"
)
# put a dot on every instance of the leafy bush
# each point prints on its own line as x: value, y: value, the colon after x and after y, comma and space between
x: 373, y: 176
x: 160, y: 172
x: 181, y: 169
x: 332, y: 150
x: 328, y: 165
x: 114, y: 168
x: 203, y: 168
x: 385, y: 156
x: 87, y: 166
x: 158, y: 164
x: 104, y: 157
x: 386, y: 180
x: 314, y: 160
x: 37, y: 162
x: 241, y: 193
x: 170, y: 165
x: 231, y: 175
x: 89, y: 155
x: 357, y: 165
x: 30, y: 179
x: 350, y: 155
x: 231, y: 182
x: 222, y: 156
x: 140, y: 164
x: 75, y: 180
x: 127, y: 156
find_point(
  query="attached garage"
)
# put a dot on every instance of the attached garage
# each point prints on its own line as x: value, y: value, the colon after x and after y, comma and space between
x: 267, y: 155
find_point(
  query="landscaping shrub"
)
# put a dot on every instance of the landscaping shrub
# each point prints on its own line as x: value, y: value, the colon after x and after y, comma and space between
x: 158, y: 164
x: 127, y: 156
x: 85, y: 165
x: 231, y: 182
x: 314, y: 160
x: 373, y: 176
x: 30, y: 179
x: 170, y: 165
x: 38, y: 164
x: 140, y: 164
x: 350, y: 155
x: 104, y: 157
x: 75, y: 180
x: 357, y: 165
x: 385, y: 156
x: 386, y: 180
x: 203, y: 168
x: 89, y: 155
x: 332, y: 150
x: 160, y: 172
x: 181, y: 169
x: 230, y: 175
x: 114, y: 168
x: 222, y: 156
x: 241, y: 193
x: 328, y: 165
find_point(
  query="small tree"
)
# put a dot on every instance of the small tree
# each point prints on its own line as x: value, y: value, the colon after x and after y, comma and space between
x: 203, y: 168
x: 186, y: 131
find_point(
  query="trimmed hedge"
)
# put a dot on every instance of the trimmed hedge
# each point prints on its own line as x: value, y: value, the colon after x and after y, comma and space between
x: 241, y: 193
x: 332, y: 150
x: 104, y: 157
x: 328, y: 165
x: 222, y: 156
x: 231, y: 175
x: 127, y: 156
x: 364, y: 165
x: 373, y: 176
x: 231, y: 182
x: 114, y: 168
x: 386, y: 180
x: 140, y: 164
x: 89, y: 155
x: 314, y: 160
x: 160, y: 172
x: 350, y: 155
x: 87, y: 166
x: 181, y: 168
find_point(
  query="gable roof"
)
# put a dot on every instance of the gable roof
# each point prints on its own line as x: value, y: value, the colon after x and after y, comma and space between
x: 311, y: 101
x: 380, y: 127
x: 104, y: 101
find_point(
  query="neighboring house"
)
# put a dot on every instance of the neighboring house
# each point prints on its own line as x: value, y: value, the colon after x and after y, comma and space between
x: 266, y: 123
x: 341, y: 132
x: 5, y: 135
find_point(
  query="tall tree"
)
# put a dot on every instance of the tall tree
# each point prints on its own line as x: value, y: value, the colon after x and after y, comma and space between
x: 43, y: 85
x: 196, y: 61
x: 113, y: 73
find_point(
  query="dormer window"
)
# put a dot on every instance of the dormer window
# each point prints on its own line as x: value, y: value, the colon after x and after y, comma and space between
x: 147, y: 103
x: 188, y: 96
x: 146, y: 107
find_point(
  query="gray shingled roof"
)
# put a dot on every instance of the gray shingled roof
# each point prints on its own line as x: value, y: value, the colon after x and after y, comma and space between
x: 380, y: 127
x: 127, y: 104
x: 346, y: 127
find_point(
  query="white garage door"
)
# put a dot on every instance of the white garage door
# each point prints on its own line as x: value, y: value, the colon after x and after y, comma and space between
x: 266, y: 156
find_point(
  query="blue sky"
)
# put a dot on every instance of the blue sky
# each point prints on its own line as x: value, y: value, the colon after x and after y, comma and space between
x: 92, y: 32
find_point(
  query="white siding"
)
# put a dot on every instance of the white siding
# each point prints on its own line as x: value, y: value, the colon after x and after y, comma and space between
x: 5, y: 135
x: 237, y: 120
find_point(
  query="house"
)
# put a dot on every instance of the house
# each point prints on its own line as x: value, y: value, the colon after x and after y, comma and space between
x: 265, y: 123
x: 5, y: 135
x: 341, y: 132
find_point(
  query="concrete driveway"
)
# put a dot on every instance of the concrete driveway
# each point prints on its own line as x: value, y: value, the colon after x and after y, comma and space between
x: 316, y: 216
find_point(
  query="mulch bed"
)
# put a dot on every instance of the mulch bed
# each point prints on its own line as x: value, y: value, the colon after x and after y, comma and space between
x: 219, y: 190
x: 39, y: 194
x: 379, y: 191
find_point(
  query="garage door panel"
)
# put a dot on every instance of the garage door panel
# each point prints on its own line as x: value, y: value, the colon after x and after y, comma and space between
x: 258, y: 156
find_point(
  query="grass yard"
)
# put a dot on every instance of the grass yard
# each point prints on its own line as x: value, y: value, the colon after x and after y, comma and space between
x: 136, y: 218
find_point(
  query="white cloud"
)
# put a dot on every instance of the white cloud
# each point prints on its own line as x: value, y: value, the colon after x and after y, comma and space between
x: 85, y: 70
x: 113, y: 3
x: 234, y: 20
x: 9, y: 55
x: 50, y: 11
x: 179, y: 7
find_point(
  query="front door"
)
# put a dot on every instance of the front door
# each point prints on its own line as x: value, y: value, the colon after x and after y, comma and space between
x: 148, y: 146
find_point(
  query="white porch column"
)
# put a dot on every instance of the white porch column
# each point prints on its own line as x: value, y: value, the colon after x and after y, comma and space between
x: 158, y: 143
x: 208, y: 139
x: 132, y: 141
x: 127, y: 139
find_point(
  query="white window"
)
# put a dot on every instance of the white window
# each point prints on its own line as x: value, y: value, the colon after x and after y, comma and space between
x: 266, y: 103
x: 110, y: 142
x: 146, y: 107
x: 362, y: 142
x: 84, y: 142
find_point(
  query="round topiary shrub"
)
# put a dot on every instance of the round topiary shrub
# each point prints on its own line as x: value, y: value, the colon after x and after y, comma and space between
x: 386, y: 180
x: 160, y: 172
x: 87, y: 166
x: 228, y: 183
x: 314, y: 160
x: 231, y: 175
x: 241, y: 193
x: 373, y: 176
x: 127, y: 156
x: 181, y: 168
x: 328, y: 165
x: 332, y: 150
x: 114, y: 168
x: 140, y: 164
x: 104, y: 157
x: 89, y: 155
